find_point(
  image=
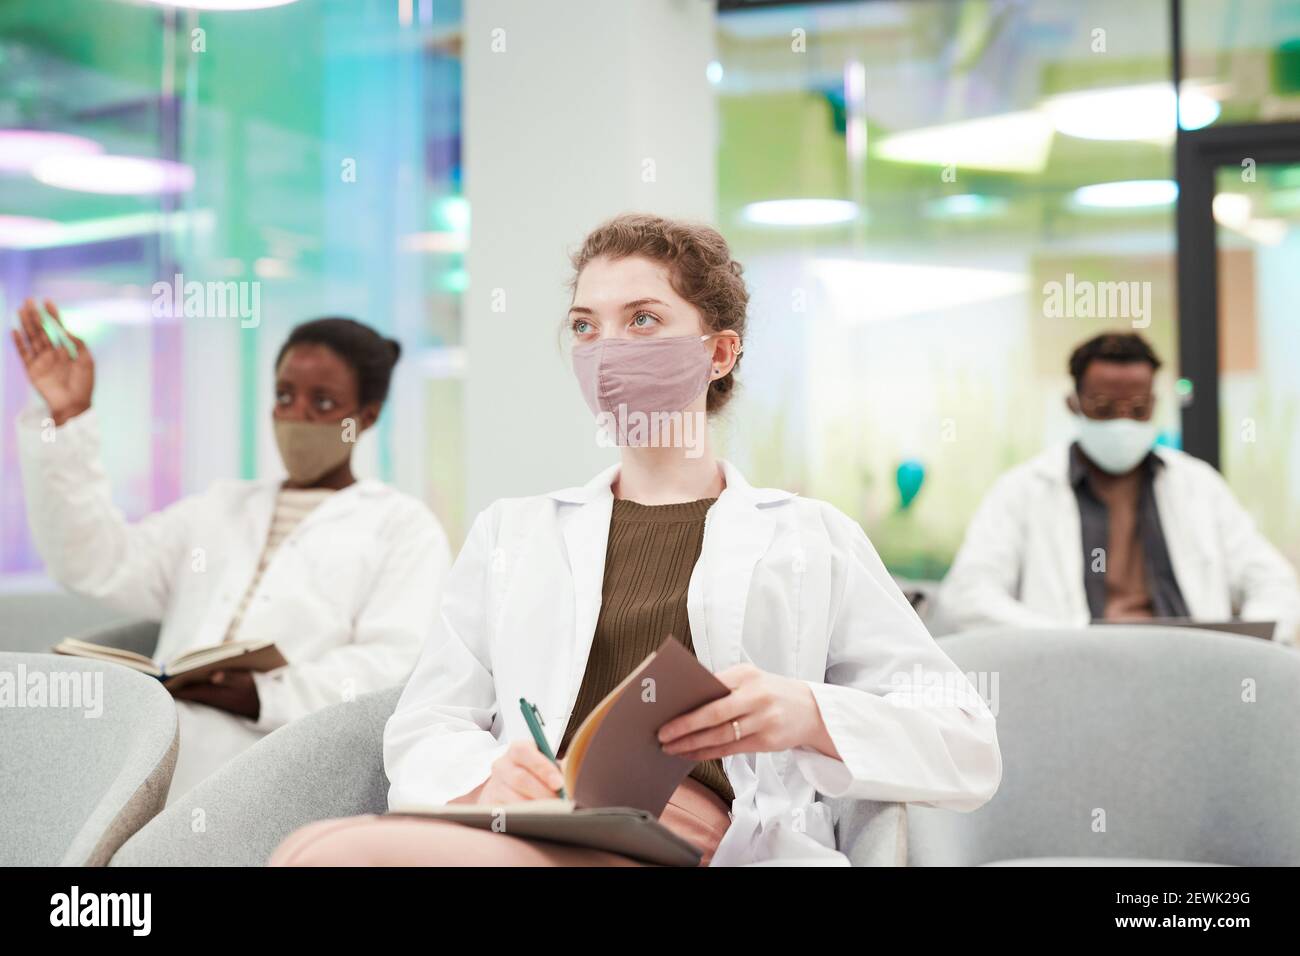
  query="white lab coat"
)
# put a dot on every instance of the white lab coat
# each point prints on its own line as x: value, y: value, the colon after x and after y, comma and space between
x: 1021, y: 564
x: 788, y: 584
x: 349, y: 597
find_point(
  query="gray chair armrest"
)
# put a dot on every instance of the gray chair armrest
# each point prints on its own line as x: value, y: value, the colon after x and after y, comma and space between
x: 32, y: 622
x: 328, y: 764
x: 85, y: 773
x: 870, y: 833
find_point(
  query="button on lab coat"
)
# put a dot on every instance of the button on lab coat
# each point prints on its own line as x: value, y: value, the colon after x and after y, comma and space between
x: 1021, y: 564
x: 349, y: 597
x: 788, y: 584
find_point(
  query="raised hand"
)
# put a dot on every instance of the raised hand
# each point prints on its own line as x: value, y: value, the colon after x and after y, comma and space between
x: 65, y: 382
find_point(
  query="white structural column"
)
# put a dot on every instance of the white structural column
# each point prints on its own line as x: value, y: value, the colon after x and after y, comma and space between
x: 574, y: 111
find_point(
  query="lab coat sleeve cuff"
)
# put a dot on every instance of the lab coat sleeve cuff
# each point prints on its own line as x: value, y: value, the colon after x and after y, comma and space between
x: 830, y: 777
x: 434, y: 788
x: 40, y: 440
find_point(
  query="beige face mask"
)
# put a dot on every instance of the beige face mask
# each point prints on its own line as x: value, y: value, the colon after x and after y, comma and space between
x: 313, y: 449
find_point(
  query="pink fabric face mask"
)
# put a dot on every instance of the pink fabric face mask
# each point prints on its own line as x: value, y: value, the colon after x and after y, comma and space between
x: 649, y: 376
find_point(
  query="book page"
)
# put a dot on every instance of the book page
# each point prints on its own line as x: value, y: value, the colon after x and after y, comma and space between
x: 72, y: 647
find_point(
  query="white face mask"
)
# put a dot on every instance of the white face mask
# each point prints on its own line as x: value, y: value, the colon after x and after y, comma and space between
x: 1115, y: 445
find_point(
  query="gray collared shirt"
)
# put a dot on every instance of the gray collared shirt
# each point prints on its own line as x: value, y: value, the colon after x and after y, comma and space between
x: 1094, y: 519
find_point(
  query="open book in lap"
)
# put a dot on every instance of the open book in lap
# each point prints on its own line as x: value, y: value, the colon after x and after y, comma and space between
x: 188, y: 668
x: 616, y: 775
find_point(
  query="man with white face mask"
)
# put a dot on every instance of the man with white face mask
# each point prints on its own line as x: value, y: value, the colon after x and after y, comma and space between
x: 1114, y: 527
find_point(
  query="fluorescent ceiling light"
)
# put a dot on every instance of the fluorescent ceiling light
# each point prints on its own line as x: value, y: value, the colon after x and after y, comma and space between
x: 965, y: 206
x: 1235, y: 211
x: 452, y: 212
x: 433, y: 242
x: 1231, y: 209
x: 865, y: 291
x: 20, y: 232
x: 1144, y: 112
x: 114, y: 175
x: 86, y: 316
x: 1010, y: 142
x: 1126, y: 194
x: 800, y: 212
x: 22, y: 149
x: 222, y: 4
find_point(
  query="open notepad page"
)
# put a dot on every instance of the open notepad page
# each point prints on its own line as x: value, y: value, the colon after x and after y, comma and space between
x: 75, y: 648
x: 217, y: 652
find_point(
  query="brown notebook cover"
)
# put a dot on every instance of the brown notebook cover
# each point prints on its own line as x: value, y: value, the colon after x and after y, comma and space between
x: 617, y: 777
x: 615, y: 758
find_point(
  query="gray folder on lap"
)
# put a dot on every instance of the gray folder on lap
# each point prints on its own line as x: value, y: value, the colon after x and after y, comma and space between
x: 624, y: 830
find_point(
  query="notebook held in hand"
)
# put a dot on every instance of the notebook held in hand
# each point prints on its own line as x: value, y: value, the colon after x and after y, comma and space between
x: 615, y: 771
x: 188, y: 668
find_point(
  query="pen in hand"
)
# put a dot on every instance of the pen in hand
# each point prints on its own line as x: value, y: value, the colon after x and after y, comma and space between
x: 533, y: 718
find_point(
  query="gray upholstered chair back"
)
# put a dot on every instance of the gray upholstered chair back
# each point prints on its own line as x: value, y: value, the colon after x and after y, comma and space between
x: 331, y: 764
x: 138, y: 636
x: 1136, y: 743
x: 34, y: 621
x: 87, y: 758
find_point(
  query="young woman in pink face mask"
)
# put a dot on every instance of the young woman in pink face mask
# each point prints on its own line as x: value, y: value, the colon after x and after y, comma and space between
x: 557, y: 598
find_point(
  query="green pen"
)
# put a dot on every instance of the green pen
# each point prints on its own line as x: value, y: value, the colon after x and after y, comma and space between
x: 533, y: 718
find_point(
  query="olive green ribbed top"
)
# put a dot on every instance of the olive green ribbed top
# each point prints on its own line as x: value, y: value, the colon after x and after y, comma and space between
x: 651, y: 553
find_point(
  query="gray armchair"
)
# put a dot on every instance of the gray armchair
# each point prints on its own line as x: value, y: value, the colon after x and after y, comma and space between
x: 138, y: 636
x: 32, y: 622
x: 330, y: 764
x: 1147, y: 745
x: 88, y: 767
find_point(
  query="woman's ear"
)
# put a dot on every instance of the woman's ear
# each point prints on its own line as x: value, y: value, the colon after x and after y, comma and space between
x: 1072, y: 403
x: 368, y: 415
x: 726, y: 349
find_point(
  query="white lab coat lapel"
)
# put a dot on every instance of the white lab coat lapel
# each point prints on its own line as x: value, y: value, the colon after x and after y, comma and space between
x: 1188, y: 554
x: 255, y: 515
x: 1067, y: 532
x: 1061, y: 522
x: 737, y: 533
x: 586, y: 536
x: 341, y: 504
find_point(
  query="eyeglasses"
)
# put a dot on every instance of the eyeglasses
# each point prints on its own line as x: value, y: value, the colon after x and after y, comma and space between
x: 1105, y: 408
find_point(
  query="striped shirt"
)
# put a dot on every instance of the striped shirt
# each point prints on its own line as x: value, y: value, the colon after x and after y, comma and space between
x: 291, y: 506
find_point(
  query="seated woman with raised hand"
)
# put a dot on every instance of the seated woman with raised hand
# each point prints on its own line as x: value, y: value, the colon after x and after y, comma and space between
x: 343, y: 575
x: 556, y: 598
